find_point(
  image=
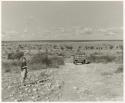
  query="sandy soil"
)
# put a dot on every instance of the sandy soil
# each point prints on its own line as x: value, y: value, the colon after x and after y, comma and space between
x: 91, y: 82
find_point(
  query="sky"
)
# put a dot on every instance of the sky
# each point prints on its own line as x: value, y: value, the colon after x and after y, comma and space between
x: 62, y: 20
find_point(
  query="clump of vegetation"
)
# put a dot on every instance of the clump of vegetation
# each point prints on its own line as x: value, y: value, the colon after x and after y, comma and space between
x: 11, y: 66
x: 37, y: 66
x: 39, y: 58
x: 69, y: 47
x: 16, y: 55
x: 119, y: 70
x: 119, y: 59
x: 102, y: 58
x: 7, y: 70
x: 47, y: 60
x: 38, y: 61
x: 106, y: 73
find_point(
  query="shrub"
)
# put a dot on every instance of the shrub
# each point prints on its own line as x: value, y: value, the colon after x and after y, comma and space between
x: 7, y: 67
x: 102, y: 58
x: 10, y: 55
x: 119, y: 69
x: 41, y: 58
x: 69, y: 47
x: 47, y: 60
x: 7, y: 70
x: 16, y: 55
x: 55, y: 61
x: 119, y: 59
x: 37, y: 66
x: 11, y: 66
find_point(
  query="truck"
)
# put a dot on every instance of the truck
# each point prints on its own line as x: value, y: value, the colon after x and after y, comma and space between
x: 80, y: 58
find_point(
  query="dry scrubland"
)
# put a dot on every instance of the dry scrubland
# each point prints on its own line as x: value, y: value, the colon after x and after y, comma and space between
x: 53, y: 77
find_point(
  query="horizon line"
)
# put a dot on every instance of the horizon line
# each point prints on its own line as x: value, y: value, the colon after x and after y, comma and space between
x: 55, y: 40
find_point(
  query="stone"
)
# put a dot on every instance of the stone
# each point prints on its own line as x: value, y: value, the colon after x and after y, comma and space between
x: 35, y: 89
x: 75, y: 88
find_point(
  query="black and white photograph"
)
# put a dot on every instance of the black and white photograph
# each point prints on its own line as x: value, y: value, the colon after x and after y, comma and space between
x: 61, y: 51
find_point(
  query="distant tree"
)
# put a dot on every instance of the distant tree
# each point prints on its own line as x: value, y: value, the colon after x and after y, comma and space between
x: 16, y: 55
x: 111, y: 47
x: 69, y: 47
x: 11, y: 56
x: 62, y: 48
x: 79, y: 48
x: 117, y: 47
x: 97, y: 48
x: 121, y: 47
x: 92, y: 47
x: 20, y: 47
x: 55, y: 46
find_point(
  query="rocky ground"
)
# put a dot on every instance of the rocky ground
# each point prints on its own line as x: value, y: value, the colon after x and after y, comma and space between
x: 40, y: 86
x: 90, y: 82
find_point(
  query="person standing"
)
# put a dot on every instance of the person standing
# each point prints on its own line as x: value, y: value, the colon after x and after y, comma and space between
x: 23, y: 70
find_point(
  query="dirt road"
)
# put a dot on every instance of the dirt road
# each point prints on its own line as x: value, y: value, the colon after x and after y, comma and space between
x: 91, y: 82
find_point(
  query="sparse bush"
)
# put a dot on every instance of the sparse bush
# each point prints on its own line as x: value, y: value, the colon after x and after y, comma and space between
x: 10, y: 55
x: 39, y: 58
x: 12, y: 66
x: 106, y: 73
x: 47, y: 60
x: 7, y: 67
x: 43, y: 76
x: 16, y: 55
x: 62, y: 48
x: 38, y: 61
x: 55, y: 61
x: 69, y: 47
x: 102, y: 58
x: 119, y: 70
x: 119, y: 59
x: 37, y: 66
x: 7, y: 70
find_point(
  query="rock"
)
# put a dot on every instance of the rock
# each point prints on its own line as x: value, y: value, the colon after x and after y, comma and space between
x: 26, y: 89
x: 42, y: 93
x: 9, y: 87
x: 21, y: 96
x: 37, y: 96
x: 75, y: 88
x: 26, y: 94
x: 60, y: 87
x: 87, y: 92
x: 11, y: 95
x: 35, y: 89
x: 28, y: 85
x: 19, y: 100
x: 20, y: 92
x: 15, y: 100
x: 33, y: 97
x: 29, y: 91
x: 49, y: 85
x: 47, y: 98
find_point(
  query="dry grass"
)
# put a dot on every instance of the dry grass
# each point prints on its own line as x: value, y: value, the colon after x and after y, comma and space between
x: 37, y: 62
x: 105, y: 58
x: 51, y: 61
x: 119, y: 69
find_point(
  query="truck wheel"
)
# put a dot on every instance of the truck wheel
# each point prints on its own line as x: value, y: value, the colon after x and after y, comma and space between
x: 84, y: 61
x: 75, y: 62
x: 88, y: 62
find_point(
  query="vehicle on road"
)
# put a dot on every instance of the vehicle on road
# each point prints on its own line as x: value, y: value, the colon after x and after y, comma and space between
x: 80, y: 58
